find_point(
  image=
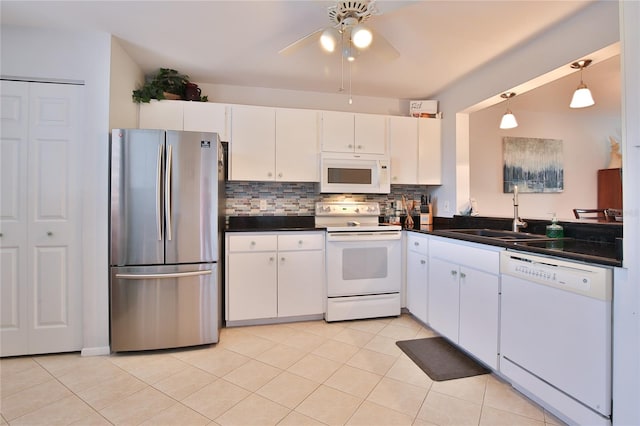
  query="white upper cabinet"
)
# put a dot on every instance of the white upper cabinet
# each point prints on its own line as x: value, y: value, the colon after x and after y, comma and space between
x: 297, y: 145
x: 274, y: 144
x: 166, y: 115
x: 403, y: 141
x: 349, y: 132
x: 184, y: 115
x: 370, y: 134
x: 206, y: 117
x: 416, y: 150
x: 252, y: 150
x: 337, y: 131
x: 429, y: 151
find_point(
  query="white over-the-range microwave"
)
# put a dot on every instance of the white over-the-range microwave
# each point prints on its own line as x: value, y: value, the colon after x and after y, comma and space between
x: 354, y: 173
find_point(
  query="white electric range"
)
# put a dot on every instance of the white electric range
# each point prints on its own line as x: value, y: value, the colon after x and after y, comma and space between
x: 363, y: 261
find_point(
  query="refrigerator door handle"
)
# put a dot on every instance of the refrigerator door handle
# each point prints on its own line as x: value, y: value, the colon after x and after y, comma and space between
x: 167, y: 191
x: 161, y: 276
x: 159, y: 192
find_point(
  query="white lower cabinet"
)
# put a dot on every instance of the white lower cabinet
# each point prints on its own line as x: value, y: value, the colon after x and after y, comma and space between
x: 274, y: 275
x: 417, y: 275
x: 463, y: 295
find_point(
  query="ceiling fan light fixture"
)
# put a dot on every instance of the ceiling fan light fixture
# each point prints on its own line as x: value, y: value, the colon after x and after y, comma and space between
x: 361, y: 36
x: 329, y: 39
x: 582, y: 97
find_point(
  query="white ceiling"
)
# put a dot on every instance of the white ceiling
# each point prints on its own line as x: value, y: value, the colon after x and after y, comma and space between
x: 237, y: 42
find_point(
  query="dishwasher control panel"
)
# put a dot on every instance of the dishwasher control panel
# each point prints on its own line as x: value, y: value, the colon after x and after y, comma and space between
x: 591, y: 281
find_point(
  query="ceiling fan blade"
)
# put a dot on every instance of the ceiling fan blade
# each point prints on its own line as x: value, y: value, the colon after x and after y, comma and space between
x: 381, y: 47
x: 300, y: 43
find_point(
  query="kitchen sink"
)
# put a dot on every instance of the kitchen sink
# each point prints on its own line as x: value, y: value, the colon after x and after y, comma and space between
x: 496, y: 234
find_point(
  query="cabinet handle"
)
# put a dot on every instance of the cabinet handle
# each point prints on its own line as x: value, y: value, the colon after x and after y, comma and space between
x: 279, y: 175
x: 282, y: 259
x: 1, y: 234
x: 269, y: 174
x: 359, y: 146
x: 422, y: 261
x: 300, y: 242
x: 416, y: 243
x: 454, y: 273
x: 349, y: 146
x: 253, y: 243
x: 49, y: 233
x: 271, y: 259
x: 462, y: 275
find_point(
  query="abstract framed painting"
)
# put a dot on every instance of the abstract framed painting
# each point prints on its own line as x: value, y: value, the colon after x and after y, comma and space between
x: 534, y: 164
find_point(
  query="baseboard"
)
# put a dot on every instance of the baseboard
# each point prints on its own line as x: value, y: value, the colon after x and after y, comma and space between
x: 96, y: 351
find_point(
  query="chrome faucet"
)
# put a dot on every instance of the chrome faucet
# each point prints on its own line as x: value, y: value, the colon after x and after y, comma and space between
x: 517, y: 222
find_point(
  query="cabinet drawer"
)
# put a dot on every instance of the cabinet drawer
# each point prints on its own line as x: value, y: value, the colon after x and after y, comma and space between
x: 473, y: 255
x: 301, y: 241
x: 253, y: 243
x: 417, y: 243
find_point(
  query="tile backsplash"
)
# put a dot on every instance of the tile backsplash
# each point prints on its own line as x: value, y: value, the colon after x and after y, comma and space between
x: 299, y: 198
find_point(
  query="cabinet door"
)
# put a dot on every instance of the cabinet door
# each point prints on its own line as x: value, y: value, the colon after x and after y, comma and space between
x: 417, y: 278
x: 479, y: 307
x: 300, y: 283
x: 429, y: 151
x: 253, y: 143
x: 164, y: 114
x: 370, y: 135
x: 297, y: 145
x: 252, y: 286
x: 206, y: 117
x: 444, y: 296
x: 337, y: 131
x: 403, y: 142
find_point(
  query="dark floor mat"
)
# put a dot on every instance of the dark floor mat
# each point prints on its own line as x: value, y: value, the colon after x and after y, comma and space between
x: 440, y: 359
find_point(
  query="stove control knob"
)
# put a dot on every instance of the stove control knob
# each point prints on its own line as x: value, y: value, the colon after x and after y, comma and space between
x: 357, y: 210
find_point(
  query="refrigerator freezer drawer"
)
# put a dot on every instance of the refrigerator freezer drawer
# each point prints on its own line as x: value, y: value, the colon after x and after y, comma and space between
x: 158, y: 307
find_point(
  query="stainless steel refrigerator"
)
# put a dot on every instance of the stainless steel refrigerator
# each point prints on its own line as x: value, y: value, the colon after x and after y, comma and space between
x: 166, y: 215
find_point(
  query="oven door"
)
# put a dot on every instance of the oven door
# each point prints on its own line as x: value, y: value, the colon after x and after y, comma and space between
x: 362, y: 263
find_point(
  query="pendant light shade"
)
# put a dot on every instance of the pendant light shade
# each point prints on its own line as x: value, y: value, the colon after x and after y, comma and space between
x: 508, y: 119
x: 582, y: 97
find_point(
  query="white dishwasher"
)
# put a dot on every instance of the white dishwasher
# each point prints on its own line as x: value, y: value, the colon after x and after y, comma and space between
x: 555, y: 338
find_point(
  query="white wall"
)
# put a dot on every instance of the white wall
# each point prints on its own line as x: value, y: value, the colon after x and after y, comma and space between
x: 298, y: 99
x: 126, y: 76
x: 58, y: 55
x: 626, y: 320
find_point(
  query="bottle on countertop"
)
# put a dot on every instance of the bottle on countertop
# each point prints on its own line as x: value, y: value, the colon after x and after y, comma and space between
x: 554, y: 230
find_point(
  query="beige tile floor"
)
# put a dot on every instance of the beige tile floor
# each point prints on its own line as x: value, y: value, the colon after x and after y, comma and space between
x: 307, y: 373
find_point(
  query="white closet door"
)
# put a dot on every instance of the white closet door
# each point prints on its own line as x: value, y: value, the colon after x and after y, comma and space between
x: 13, y: 217
x: 48, y: 289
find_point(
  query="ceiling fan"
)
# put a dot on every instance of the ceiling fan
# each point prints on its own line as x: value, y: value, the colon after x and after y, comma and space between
x: 348, y: 32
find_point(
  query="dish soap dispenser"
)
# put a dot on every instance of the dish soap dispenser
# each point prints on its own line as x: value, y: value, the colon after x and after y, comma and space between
x: 554, y: 230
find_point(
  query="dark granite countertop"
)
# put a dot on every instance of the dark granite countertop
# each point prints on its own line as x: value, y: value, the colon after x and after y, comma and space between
x: 271, y: 223
x: 598, y: 243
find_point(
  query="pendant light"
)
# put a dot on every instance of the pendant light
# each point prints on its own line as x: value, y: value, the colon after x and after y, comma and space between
x: 582, y: 96
x: 508, y: 119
